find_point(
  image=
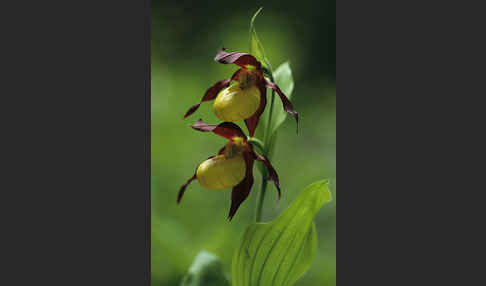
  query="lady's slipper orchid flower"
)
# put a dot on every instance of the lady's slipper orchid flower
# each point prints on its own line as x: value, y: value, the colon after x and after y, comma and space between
x: 246, y: 99
x: 232, y: 167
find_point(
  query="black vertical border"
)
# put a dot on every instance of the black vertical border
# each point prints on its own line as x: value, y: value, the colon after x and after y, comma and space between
x: 71, y: 197
x: 148, y: 25
x: 411, y: 84
x: 73, y: 180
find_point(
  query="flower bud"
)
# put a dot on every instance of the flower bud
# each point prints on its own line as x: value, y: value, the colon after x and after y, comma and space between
x: 221, y: 173
x: 235, y: 103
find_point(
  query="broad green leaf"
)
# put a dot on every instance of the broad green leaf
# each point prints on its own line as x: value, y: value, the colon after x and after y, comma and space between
x: 205, y: 270
x: 281, y: 251
x: 256, y: 47
x: 283, y: 78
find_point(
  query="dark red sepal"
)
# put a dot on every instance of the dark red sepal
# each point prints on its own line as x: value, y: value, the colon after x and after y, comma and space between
x: 287, y: 105
x: 213, y: 91
x: 226, y: 129
x: 221, y: 151
x: 241, y: 59
x: 252, y: 122
x: 272, y: 174
x: 242, y: 190
x: 183, y: 188
x: 210, y: 94
x: 236, y: 75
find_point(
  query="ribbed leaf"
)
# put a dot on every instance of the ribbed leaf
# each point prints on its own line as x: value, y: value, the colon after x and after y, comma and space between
x: 256, y: 47
x: 281, y: 251
x: 205, y: 270
x: 283, y: 78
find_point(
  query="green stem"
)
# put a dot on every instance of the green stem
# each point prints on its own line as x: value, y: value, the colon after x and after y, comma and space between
x: 266, y: 152
x: 264, y: 147
x: 261, y: 197
x: 269, y: 123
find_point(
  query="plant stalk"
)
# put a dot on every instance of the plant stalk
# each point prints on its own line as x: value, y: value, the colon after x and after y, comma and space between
x: 261, y: 197
x: 267, y: 138
x: 266, y: 152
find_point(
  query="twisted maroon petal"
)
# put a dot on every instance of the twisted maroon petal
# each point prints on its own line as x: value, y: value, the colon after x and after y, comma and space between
x: 226, y: 129
x: 210, y: 94
x: 194, y: 177
x: 221, y: 151
x: 236, y: 75
x: 287, y: 105
x: 213, y: 91
x: 242, y: 190
x: 241, y: 59
x: 272, y: 174
x: 183, y: 188
x: 252, y: 122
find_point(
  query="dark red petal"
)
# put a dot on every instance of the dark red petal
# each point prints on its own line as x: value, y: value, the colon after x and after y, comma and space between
x: 225, y: 129
x: 285, y: 101
x: 242, y: 190
x: 236, y: 75
x: 272, y: 174
x: 183, y: 188
x: 210, y: 94
x: 221, y: 151
x: 241, y: 59
x: 192, y: 109
x: 252, y: 122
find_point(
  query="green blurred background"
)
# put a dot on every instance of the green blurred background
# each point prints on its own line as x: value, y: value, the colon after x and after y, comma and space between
x: 185, y: 38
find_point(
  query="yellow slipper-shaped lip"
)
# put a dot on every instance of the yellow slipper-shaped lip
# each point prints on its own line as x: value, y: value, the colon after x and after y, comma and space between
x: 235, y: 104
x: 220, y: 173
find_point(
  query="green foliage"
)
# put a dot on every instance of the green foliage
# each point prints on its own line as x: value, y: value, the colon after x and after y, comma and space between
x: 205, y: 270
x: 179, y: 232
x: 256, y: 47
x: 283, y: 78
x: 281, y: 251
